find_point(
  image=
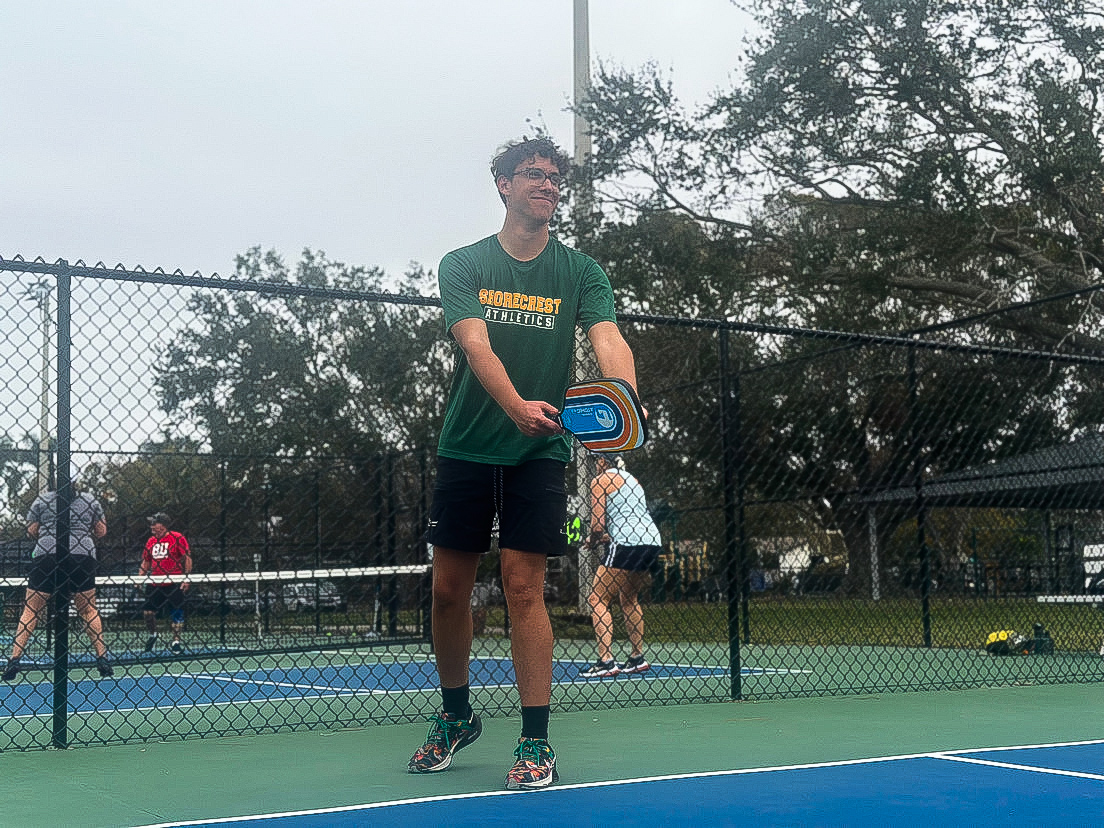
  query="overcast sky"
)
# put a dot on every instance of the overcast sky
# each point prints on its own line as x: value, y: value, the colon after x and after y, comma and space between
x: 179, y: 134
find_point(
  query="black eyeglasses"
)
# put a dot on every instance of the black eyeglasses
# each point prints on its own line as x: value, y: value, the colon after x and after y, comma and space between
x: 538, y: 176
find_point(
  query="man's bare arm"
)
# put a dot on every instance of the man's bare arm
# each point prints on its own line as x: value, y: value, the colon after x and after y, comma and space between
x: 534, y: 418
x: 615, y: 358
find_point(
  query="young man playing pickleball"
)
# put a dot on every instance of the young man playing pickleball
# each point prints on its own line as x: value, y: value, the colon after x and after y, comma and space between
x: 512, y: 302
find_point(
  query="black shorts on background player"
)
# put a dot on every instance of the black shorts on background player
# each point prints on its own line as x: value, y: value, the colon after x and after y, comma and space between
x: 77, y: 573
x: 159, y: 596
x: 638, y: 558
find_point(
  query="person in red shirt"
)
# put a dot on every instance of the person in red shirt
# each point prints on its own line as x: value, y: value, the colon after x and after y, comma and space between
x: 166, y: 553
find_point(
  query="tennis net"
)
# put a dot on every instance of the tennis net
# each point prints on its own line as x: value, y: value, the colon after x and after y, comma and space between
x: 260, y: 611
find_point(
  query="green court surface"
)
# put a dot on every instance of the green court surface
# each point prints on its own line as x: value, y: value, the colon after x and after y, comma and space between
x: 240, y: 694
x: 143, y: 784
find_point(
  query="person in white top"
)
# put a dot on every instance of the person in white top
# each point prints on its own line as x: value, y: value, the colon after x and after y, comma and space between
x: 619, y: 521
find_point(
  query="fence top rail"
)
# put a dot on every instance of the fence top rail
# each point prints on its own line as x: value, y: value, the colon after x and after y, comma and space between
x: 216, y: 282
x: 853, y: 338
x: 178, y: 277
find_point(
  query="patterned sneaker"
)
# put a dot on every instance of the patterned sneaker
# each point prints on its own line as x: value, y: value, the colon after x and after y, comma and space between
x: 535, y: 766
x: 150, y: 643
x: 104, y: 667
x: 447, y: 735
x: 600, y: 669
x: 636, y: 664
x: 177, y: 647
x: 12, y: 670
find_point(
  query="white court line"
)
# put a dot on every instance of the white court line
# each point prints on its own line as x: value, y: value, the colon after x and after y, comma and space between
x: 246, y: 681
x: 1078, y: 743
x: 709, y: 670
x: 582, y: 786
x: 326, y: 692
x: 342, y: 694
x: 407, y: 659
x: 332, y: 694
x: 714, y: 669
x: 105, y: 711
x: 483, y: 794
x: 951, y: 755
x: 958, y: 756
x: 1013, y: 766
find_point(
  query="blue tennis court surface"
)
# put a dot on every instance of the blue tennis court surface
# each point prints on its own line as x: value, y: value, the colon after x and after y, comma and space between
x: 1037, y: 786
x: 180, y: 686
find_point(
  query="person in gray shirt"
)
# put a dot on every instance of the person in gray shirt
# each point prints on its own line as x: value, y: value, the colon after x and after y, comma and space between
x: 74, y: 577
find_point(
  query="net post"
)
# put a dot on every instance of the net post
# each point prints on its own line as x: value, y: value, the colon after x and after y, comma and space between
x: 257, y: 597
x: 223, y: 536
x: 391, y: 551
x: 425, y: 596
x: 316, y: 509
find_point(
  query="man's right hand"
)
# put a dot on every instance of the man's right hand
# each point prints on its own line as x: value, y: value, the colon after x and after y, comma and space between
x: 536, y: 418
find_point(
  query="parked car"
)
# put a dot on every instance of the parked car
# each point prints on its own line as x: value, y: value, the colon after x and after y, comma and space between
x: 286, y: 597
x: 324, y: 594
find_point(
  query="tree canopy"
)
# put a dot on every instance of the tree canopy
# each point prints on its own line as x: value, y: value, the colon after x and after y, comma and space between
x: 942, y: 158
x: 296, y: 375
x: 879, y: 166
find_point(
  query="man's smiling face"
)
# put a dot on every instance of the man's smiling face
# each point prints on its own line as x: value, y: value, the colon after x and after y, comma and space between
x: 532, y: 200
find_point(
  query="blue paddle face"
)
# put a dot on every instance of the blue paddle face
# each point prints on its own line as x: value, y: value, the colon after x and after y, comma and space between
x: 604, y: 415
x: 592, y: 418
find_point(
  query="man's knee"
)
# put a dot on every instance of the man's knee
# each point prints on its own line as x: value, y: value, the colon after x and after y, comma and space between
x: 449, y: 597
x: 521, y: 594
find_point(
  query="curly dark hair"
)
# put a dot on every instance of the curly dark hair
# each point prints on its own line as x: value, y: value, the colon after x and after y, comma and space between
x: 510, y: 156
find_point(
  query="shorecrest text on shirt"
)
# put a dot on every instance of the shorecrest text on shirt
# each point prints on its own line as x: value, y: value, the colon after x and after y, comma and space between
x: 519, y: 308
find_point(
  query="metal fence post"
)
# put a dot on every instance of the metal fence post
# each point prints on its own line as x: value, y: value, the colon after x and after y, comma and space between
x: 60, y: 732
x: 921, y: 507
x: 733, y: 523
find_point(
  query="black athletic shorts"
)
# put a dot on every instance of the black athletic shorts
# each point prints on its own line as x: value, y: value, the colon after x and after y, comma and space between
x: 159, y: 596
x: 77, y: 573
x: 632, y: 558
x: 530, y: 501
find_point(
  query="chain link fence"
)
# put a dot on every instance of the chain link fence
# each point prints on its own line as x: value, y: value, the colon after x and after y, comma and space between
x: 836, y: 513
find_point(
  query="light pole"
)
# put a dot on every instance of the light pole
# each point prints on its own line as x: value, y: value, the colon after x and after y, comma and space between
x: 584, y: 364
x: 581, y: 66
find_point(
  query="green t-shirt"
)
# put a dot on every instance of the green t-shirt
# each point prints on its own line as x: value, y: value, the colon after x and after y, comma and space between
x: 531, y: 310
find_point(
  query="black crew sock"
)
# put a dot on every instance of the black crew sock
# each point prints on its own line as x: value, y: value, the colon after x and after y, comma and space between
x: 534, y: 722
x: 456, y: 701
